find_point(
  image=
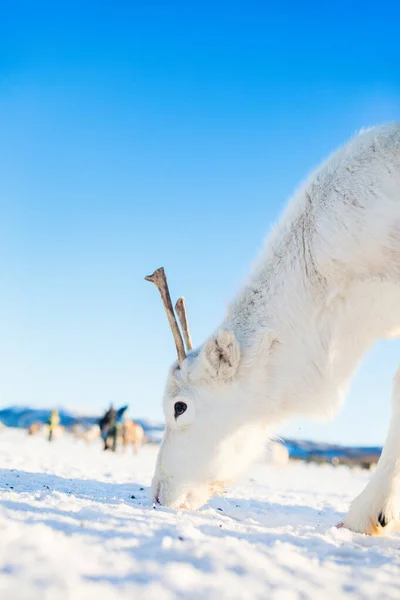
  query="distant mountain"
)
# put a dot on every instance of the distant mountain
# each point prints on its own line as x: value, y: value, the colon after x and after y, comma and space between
x: 320, y: 452
x: 23, y: 416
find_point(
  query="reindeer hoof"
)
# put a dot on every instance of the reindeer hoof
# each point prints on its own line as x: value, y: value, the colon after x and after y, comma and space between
x: 382, y: 520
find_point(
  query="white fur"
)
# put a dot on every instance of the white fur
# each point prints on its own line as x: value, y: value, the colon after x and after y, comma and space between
x: 325, y: 288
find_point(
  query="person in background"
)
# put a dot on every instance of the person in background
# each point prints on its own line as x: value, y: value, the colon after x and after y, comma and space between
x: 53, y: 422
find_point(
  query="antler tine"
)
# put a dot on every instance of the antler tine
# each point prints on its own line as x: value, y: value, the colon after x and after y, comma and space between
x: 180, y: 310
x: 160, y: 281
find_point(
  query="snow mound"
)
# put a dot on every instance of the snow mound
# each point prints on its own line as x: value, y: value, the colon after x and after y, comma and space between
x: 76, y: 523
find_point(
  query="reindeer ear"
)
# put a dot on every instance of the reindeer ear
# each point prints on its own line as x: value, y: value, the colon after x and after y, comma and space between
x: 222, y: 354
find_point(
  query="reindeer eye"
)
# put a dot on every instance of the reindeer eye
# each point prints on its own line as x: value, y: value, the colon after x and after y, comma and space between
x: 180, y: 408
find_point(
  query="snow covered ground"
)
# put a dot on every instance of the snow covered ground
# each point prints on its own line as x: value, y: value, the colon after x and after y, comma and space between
x: 76, y: 523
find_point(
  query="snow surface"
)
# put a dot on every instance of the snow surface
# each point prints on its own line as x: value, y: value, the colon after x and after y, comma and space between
x: 76, y: 523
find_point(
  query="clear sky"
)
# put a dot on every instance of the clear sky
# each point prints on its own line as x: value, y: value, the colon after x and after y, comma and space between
x: 141, y: 134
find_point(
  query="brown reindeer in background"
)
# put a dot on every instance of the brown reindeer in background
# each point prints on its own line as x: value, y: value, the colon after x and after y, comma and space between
x: 132, y: 433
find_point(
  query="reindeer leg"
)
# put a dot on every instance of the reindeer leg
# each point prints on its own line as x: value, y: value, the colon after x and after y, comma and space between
x: 377, y: 509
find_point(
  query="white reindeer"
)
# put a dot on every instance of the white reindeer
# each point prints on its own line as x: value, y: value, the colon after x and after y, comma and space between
x: 326, y: 287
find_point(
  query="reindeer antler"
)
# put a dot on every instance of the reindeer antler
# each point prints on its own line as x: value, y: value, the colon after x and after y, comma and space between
x: 180, y: 310
x: 160, y: 281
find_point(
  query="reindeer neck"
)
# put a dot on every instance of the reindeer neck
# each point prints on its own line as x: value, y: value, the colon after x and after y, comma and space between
x: 320, y: 333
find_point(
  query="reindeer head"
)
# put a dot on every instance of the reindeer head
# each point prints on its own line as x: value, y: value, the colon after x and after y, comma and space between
x: 209, y: 438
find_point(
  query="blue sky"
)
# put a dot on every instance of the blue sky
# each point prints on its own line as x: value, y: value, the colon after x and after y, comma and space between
x: 141, y: 134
